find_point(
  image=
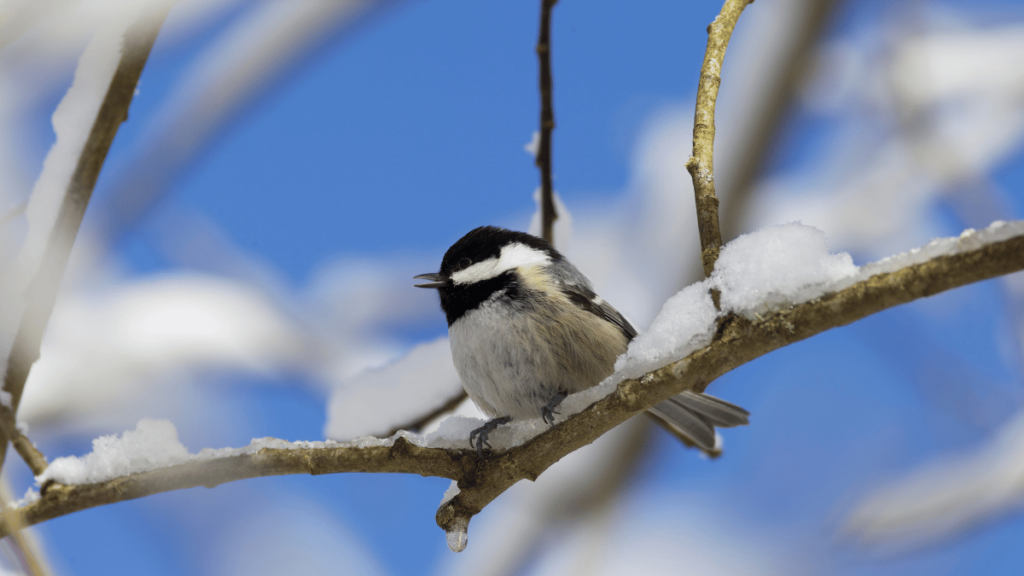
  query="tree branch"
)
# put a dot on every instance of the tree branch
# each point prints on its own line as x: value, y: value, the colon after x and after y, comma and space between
x: 548, y: 215
x: 42, y: 291
x: 399, y: 457
x: 481, y: 480
x: 32, y: 456
x: 701, y: 163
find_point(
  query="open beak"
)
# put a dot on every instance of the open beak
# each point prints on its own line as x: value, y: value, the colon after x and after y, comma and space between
x: 436, y: 280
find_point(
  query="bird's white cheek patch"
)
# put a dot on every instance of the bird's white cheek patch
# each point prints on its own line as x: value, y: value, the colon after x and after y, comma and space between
x: 512, y: 257
x: 477, y: 272
x: 521, y: 256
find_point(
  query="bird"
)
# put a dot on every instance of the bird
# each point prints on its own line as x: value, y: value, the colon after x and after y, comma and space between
x: 527, y: 329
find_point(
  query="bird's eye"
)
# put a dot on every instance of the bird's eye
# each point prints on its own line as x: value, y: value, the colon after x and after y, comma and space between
x: 464, y: 263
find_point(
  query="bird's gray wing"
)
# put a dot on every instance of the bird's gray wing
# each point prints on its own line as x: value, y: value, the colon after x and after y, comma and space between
x: 691, y: 416
x: 584, y: 296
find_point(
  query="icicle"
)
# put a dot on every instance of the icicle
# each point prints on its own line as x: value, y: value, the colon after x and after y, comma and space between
x: 457, y: 540
x: 457, y: 534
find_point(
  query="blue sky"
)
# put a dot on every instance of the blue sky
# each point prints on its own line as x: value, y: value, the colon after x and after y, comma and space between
x: 427, y: 107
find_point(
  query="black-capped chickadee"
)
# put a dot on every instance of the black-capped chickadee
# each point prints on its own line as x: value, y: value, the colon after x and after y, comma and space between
x: 527, y: 329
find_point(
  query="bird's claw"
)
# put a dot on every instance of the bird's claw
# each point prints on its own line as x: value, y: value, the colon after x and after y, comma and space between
x: 547, y: 413
x: 478, y: 437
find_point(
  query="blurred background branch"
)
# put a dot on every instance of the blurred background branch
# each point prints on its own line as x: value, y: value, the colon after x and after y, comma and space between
x: 30, y: 561
x: 248, y: 61
x: 42, y: 291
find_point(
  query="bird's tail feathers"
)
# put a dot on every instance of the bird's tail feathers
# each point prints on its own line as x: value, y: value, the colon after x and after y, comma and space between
x: 693, y: 416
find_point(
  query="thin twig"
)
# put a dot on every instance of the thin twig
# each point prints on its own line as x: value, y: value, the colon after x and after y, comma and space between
x: 32, y: 456
x: 701, y: 163
x: 482, y: 479
x: 421, y: 421
x: 774, y: 99
x: 42, y: 292
x: 548, y: 215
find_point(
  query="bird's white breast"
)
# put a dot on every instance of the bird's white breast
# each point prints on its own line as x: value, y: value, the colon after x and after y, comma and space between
x: 513, y: 362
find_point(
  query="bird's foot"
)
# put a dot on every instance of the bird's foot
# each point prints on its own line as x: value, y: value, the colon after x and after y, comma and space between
x: 547, y: 413
x: 478, y: 437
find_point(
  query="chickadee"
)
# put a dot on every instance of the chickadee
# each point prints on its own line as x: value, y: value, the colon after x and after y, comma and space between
x: 527, y: 329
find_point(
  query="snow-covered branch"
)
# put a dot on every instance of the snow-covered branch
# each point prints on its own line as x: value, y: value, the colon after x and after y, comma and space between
x: 748, y: 328
x: 267, y: 457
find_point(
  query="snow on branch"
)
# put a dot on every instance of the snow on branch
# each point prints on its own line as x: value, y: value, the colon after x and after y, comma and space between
x: 826, y: 299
